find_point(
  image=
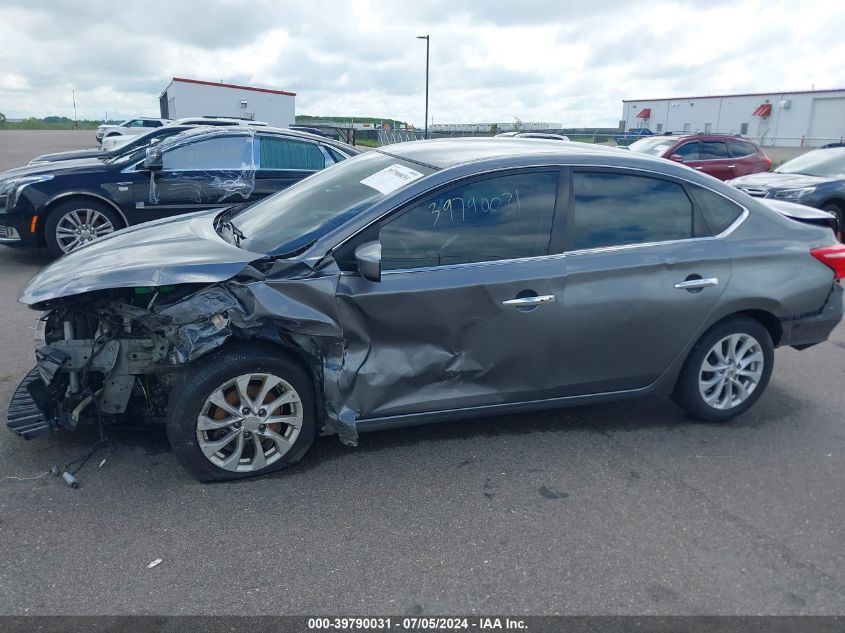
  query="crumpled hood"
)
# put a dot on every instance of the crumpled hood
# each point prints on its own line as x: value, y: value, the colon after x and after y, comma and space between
x: 183, y: 249
x: 775, y: 180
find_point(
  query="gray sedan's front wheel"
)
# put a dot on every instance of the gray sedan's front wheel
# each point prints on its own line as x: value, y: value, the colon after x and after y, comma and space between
x: 242, y: 413
x: 727, y: 370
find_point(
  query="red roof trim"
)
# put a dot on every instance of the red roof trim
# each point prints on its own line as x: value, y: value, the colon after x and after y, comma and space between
x: 222, y: 85
x: 764, y: 109
x: 645, y: 113
x: 747, y: 94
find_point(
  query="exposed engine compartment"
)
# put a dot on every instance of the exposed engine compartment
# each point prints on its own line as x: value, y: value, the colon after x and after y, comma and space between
x: 97, y: 354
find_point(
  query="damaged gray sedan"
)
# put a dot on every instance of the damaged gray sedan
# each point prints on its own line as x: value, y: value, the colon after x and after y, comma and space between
x: 426, y: 281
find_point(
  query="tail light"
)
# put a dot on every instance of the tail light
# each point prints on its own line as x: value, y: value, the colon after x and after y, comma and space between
x: 833, y: 257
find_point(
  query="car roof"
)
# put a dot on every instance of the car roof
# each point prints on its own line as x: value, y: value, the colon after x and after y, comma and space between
x: 704, y: 136
x: 211, y: 131
x: 443, y: 153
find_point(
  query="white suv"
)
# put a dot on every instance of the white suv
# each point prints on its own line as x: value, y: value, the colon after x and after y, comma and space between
x: 130, y: 127
x: 217, y: 120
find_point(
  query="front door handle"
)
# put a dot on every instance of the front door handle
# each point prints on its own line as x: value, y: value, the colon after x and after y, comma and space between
x: 522, y: 302
x: 692, y: 284
x: 731, y: 166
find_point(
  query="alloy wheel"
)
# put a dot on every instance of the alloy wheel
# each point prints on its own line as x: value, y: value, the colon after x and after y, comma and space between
x: 80, y: 226
x: 249, y: 422
x: 731, y: 371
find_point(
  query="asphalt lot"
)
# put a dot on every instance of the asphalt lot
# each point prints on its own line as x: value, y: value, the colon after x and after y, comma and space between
x: 628, y: 508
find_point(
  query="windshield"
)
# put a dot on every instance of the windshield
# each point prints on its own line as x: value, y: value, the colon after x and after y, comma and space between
x: 652, y: 146
x: 827, y: 163
x: 298, y: 215
x: 123, y: 155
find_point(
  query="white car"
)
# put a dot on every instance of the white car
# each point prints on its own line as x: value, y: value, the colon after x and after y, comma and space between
x: 130, y: 127
x: 545, y: 135
x: 217, y: 120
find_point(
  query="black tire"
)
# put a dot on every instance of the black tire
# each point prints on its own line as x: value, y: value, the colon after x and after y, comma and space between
x: 79, y: 205
x: 687, y: 393
x: 201, y: 380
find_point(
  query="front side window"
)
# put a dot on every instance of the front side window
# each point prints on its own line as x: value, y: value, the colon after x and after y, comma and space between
x: 688, y: 151
x: 134, y: 123
x: 284, y: 153
x: 617, y: 209
x: 504, y: 217
x: 227, y: 152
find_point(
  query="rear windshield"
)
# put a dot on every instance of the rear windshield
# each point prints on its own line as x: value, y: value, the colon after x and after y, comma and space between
x: 652, y: 146
x: 295, y: 217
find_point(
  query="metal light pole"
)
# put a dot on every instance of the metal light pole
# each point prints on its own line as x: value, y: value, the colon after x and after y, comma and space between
x: 75, y: 121
x: 427, y: 42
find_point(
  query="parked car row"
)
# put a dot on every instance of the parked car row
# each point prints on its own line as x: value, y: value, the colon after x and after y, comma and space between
x: 425, y: 281
x: 61, y: 203
x: 112, y: 136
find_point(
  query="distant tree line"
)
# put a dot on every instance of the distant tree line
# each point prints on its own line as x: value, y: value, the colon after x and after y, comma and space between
x: 47, y: 123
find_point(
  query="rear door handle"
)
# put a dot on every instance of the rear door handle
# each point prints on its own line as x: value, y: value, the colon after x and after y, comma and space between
x: 529, y: 301
x: 731, y: 166
x: 698, y: 168
x: 697, y: 283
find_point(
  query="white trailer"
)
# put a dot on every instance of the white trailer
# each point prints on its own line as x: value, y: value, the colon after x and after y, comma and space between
x: 193, y: 98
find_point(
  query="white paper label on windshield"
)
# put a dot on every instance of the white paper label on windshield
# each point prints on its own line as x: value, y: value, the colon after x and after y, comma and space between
x: 391, y: 178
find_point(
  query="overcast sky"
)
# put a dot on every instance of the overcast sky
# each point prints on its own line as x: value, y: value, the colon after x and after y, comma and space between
x: 562, y: 61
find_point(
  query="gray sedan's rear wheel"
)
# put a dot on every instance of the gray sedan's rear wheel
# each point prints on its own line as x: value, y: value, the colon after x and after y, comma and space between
x: 244, y: 413
x: 727, y: 370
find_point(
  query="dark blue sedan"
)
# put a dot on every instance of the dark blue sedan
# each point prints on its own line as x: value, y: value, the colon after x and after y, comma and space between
x: 815, y: 179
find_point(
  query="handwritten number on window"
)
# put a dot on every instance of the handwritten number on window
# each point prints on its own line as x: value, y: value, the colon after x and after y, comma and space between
x: 506, y: 203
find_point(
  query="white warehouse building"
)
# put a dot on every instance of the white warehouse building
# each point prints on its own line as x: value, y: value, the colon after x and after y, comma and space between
x: 786, y: 119
x: 192, y: 97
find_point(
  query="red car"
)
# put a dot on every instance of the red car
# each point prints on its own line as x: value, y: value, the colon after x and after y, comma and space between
x: 719, y: 155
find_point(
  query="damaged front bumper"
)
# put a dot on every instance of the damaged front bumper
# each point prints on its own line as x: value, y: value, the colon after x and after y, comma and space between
x: 25, y: 417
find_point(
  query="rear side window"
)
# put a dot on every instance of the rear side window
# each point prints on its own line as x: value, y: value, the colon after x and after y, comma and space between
x: 713, y: 150
x: 616, y: 209
x: 718, y: 211
x: 337, y: 156
x: 741, y: 148
x: 283, y: 153
x: 505, y: 217
x: 152, y: 123
x: 688, y: 151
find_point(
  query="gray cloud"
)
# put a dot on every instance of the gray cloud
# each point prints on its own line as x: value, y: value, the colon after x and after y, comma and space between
x: 568, y: 61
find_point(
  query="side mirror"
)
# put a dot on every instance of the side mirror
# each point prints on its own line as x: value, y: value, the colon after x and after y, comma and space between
x: 152, y: 161
x: 368, y: 259
x: 677, y: 158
